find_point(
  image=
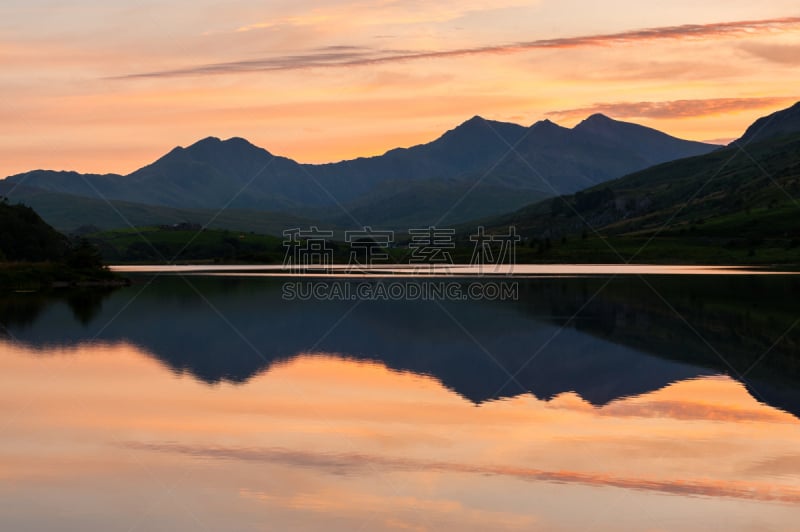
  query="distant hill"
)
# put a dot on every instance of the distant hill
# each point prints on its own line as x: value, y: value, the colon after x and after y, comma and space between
x: 730, y: 205
x: 24, y: 236
x: 404, y: 204
x: 558, y: 160
x: 69, y: 213
x: 500, y: 165
x: 779, y: 124
x: 35, y: 256
x: 186, y: 243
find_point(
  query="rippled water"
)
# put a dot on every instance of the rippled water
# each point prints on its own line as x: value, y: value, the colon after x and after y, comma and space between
x: 602, y: 403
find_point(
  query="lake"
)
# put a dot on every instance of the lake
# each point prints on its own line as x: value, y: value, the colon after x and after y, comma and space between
x: 202, y: 398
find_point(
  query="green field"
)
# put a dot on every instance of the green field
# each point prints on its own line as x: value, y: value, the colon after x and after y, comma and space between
x: 707, y: 243
x: 159, y: 245
x: 70, y: 214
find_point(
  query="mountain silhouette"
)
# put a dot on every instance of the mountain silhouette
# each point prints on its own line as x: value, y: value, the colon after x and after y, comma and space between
x: 778, y: 124
x: 505, y: 165
x: 559, y: 160
x: 749, y: 195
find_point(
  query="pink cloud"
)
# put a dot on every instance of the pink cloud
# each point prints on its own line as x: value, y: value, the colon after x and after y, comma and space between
x: 674, y: 108
x: 351, y: 56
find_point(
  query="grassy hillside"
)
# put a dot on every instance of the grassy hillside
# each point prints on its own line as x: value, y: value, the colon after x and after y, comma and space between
x: 33, y: 255
x: 68, y: 213
x: 24, y: 236
x: 728, y: 206
x: 405, y: 205
x: 157, y: 245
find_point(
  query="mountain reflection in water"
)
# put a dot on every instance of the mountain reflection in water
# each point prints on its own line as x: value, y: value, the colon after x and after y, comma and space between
x: 602, y: 340
x: 589, y: 403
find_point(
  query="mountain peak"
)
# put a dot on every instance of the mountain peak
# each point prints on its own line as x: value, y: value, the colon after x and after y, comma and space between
x: 216, y: 141
x: 208, y: 141
x: 545, y: 125
x: 239, y: 141
x: 476, y: 120
x: 595, y: 120
x: 473, y: 126
x: 233, y: 145
x: 599, y: 117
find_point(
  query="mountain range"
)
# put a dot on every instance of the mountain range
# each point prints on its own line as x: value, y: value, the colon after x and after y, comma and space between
x: 743, y: 196
x: 480, y: 168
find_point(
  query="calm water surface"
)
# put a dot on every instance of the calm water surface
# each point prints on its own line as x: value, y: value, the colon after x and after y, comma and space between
x: 665, y: 402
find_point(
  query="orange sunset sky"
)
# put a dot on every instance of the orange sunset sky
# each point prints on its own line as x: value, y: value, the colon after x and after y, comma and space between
x: 110, y: 86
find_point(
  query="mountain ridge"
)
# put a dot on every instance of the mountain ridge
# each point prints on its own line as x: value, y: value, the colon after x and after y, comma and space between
x: 779, y: 123
x: 737, y: 204
x: 536, y: 161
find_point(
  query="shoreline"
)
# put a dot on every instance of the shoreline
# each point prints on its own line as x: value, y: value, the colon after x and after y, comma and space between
x: 38, y: 276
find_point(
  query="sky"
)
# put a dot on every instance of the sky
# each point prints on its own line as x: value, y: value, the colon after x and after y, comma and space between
x: 110, y: 86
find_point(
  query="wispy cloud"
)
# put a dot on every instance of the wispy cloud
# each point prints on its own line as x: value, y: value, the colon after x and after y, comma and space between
x: 287, y: 21
x: 343, y: 463
x: 372, y: 12
x: 352, y: 57
x: 783, y: 465
x: 674, y: 108
x: 786, y: 54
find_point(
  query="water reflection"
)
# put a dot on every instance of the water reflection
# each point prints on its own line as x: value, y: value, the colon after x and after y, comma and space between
x: 602, y: 339
x: 402, y: 415
x: 100, y: 437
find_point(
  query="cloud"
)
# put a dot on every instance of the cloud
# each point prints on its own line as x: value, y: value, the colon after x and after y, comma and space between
x: 371, y: 13
x: 287, y: 21
x: 788, y: 465
x: 722, y: 141
x: 674, y: 108
x: 785, y: 54
x: 403, y: 510
x: 353, y: 57
x: 344, y: 463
